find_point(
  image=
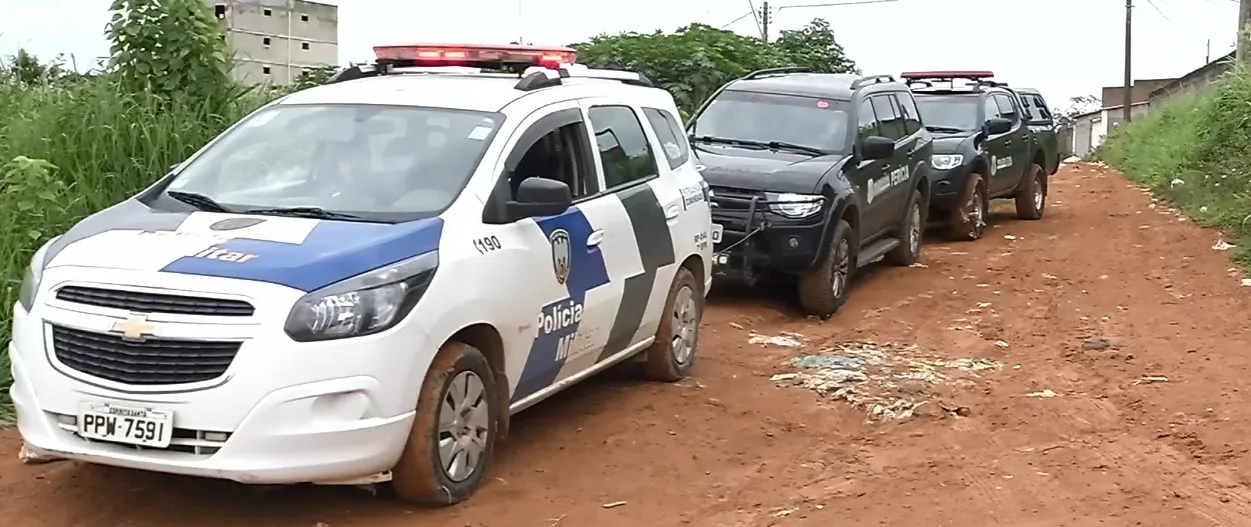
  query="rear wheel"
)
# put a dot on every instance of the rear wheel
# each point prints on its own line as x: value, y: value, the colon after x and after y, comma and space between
x: 910, y: 233
x: 968, y: 217
x: 824, y: 288
x: 1031, y: 199
x: 453, y: 435
x: 670, y: 358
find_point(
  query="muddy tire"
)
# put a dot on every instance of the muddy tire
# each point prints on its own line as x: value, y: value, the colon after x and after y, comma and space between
x: 968, y: 217
x: 670, y: 358
x: 1031, y: 199
x: 824, y: 288
x: 910, y: 233
x: 444, y: 465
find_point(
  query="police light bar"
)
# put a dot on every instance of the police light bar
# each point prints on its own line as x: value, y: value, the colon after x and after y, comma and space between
x: 947, y: 74
x: 501, y: 57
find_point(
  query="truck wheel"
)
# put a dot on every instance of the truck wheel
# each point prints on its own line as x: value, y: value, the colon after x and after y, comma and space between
x: 910, y: 233
x: 670, y: 358
x: 453, y: 435
x: 1031, y: 199
x: 824, y: 288
x: 968, y: 217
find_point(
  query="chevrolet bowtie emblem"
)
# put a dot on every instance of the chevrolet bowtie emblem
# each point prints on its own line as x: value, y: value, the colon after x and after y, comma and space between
x: 135, y: 328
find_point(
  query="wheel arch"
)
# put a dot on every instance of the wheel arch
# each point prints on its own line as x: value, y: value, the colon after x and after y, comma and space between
x: 487, y: 339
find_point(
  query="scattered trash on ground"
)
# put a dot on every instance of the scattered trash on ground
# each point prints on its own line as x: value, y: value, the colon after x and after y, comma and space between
x: 1222, y: 245
x: 784, y: 339
x: 1246, y: 282
x: 614, y: 504
x: 1151, y: 379
x: 1047, y: 393
x: 887, y: 380
x: 1096, y: 344
x: 27, y: 457
x: 1072, y: 159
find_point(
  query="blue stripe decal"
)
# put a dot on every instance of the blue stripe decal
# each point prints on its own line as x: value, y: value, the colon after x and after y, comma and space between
x: 586, y: 272
x: 332, y: 252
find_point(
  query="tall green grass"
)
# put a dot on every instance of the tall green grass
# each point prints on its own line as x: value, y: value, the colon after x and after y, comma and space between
x: 70, y: 149
x: 1195, y: 153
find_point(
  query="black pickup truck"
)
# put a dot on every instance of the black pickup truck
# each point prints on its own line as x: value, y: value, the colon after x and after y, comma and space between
x: 984, y: 149
x: 813, y: 176
x: 1042, y: 124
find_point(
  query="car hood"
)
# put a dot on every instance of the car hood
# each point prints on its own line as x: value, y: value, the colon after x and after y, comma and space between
x: 763, y: 170
x: 951, y: 143
x: 301, y: 253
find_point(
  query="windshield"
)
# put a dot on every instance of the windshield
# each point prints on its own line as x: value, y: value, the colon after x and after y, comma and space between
x: 949, y: 111
x: 379, y: 163
x: 766, y: 117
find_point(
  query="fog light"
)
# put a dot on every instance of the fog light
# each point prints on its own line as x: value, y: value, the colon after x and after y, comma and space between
x: 794, y: 242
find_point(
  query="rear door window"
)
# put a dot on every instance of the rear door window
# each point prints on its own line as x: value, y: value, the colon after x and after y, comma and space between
x: 889, y: 121
x: 672, y: 138
x: 912, y: 117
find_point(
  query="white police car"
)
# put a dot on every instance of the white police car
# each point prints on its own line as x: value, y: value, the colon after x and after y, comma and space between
x: 363, y: 280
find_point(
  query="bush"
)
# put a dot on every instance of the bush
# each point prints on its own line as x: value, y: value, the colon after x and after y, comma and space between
x: 1195, y: 153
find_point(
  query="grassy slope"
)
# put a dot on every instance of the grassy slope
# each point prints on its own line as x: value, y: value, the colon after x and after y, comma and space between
x: 1196, y: 153
x: 102, y: 145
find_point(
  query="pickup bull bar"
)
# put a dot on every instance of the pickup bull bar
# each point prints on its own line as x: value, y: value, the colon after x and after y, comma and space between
x: 756, y: 221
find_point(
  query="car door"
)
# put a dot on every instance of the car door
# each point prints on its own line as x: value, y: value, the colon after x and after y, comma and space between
x: 998, y: 151
x: 561, y: 273
x: 638, y: 202
x: 890, y: 195
x: 867, y: 173
x: 1018, y: 143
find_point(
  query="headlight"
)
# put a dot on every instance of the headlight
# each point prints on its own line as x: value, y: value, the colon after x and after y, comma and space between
x: 795, y: 205
x: 946, y: 161
x: 364, y: 304
x: 34, y: 274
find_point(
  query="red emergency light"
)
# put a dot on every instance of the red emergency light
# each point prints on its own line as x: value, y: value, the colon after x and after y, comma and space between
x: 947, y: 74
x: 503, y: 57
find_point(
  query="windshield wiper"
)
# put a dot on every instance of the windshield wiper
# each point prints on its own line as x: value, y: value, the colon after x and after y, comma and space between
x: 302, y: 212
x: 951, y: 129
x: 783, y: 145
x: 199, y: 201
x: 725, y: 141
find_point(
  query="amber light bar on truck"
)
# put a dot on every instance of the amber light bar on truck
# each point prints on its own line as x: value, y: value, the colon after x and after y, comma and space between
x: 497, y: 57
x: 973, y: 75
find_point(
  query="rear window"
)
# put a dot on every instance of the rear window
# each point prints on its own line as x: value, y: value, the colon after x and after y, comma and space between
x: 956, y: 112
x: 766, y: 117
x: 672, y: 139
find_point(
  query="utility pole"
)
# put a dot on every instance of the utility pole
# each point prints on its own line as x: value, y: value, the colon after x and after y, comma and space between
x: 764, y: 20
x: 1127, y: 103
x: 1244, y: 21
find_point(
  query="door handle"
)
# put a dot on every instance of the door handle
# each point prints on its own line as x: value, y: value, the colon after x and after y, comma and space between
x: 672, y: 211
x: 595, y: 239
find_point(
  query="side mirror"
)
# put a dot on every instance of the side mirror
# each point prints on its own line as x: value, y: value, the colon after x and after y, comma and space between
x: 539, y: 197
x: 877, y: 147
x: 998, y: 125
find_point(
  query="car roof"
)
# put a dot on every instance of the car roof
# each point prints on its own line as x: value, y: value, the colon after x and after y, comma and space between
x: 484, y: 92
x: 828, y: 85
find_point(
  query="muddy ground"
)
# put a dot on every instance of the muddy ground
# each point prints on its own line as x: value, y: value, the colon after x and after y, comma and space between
x: 1105, y: 384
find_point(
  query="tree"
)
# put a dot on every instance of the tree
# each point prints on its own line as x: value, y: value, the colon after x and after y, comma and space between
x: 691, y: 62
x: 814, y: 46
x: 314, y: 76
x: 170, y: 48
x: 1077, y: 106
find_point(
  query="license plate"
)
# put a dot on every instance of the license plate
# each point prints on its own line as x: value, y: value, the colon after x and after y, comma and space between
x: 716, y: 233
x: 126, y: 424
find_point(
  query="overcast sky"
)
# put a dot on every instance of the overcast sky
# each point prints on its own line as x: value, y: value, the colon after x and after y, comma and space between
x: 1063, y: 47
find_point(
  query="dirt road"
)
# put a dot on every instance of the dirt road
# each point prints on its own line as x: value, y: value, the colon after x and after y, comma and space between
x: 1106, y: 384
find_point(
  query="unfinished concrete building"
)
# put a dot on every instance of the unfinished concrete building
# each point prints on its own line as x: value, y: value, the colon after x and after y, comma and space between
x: 274, y: 40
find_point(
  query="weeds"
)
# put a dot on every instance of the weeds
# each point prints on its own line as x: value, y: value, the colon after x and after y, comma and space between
x: 1195, y: 152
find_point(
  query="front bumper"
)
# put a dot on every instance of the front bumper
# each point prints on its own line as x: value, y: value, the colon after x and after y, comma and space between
x: 947, y: 187
x: 757, y: 240
x: 283, y: 412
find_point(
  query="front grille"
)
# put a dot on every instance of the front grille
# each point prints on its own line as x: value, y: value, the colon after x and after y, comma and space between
x: 154, y: 302
x: 150, y: 362
x: 730, y: 198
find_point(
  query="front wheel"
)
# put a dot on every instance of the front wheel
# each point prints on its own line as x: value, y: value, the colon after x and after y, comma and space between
x: 453, y: 435
x: 824, y: 288
x: 1031, y: 199
x: 670, y: 358
x: 910, y: 233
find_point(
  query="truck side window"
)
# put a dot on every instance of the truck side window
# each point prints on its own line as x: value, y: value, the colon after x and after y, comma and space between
x: 912, y: 117
x: 1031, y: 113
x: 1041, y: 105
x: 1006, y: 109
x: 559, y: 155
x: 868, y: 122
x: 992, y: 109
x: 672, y: 138
x: 625, y: 154
x: 888, y: 119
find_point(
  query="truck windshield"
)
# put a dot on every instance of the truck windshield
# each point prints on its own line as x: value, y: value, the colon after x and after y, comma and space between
x: 955, y: 112
x: 768, y: 117
x: 367, y: 162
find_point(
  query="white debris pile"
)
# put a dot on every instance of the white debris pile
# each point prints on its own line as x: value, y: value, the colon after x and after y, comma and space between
x: 783, y: 339
x: 887, y: 380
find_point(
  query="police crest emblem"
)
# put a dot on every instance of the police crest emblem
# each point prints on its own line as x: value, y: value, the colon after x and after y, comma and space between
x: 560, y: 254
